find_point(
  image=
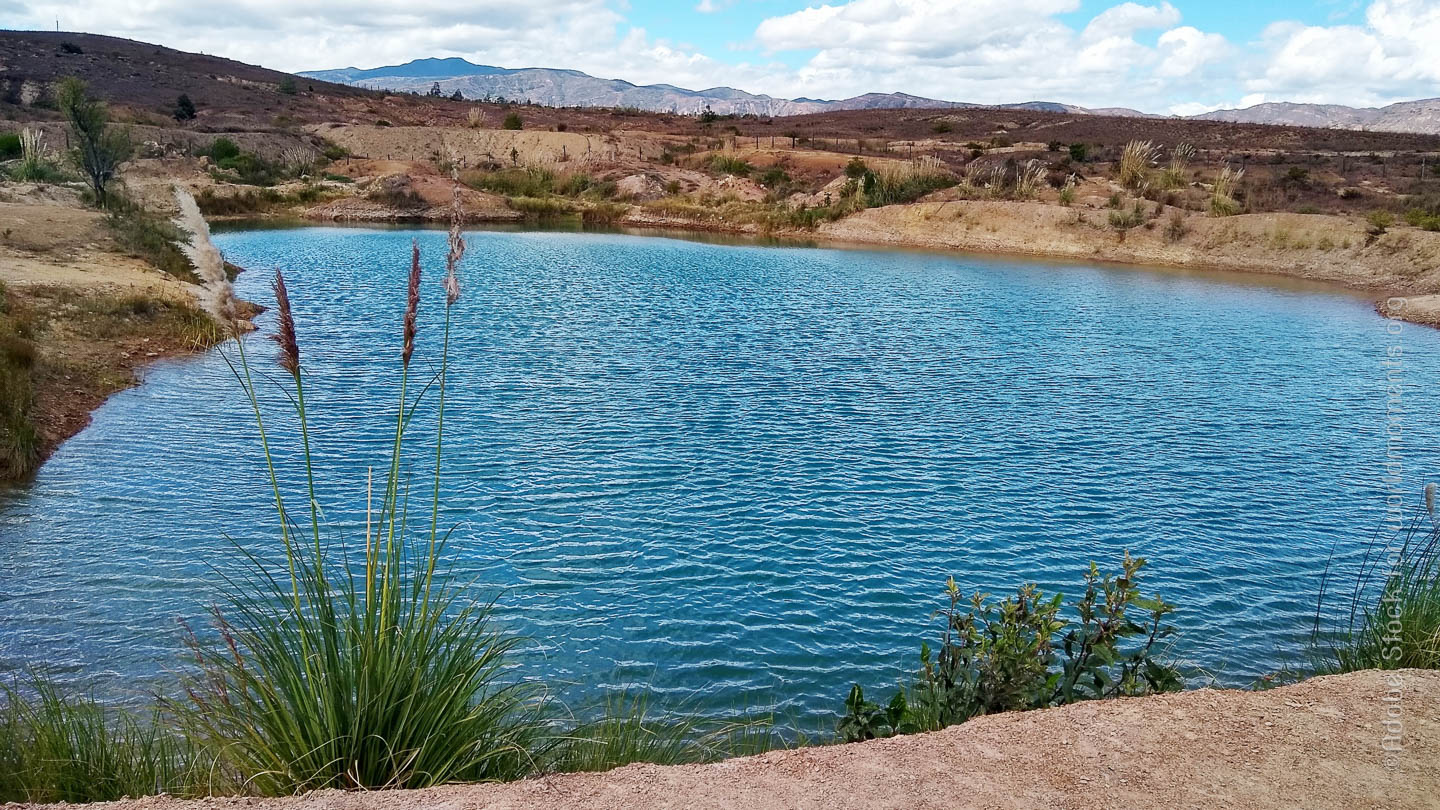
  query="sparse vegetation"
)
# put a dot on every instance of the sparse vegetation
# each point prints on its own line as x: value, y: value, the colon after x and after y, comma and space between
x: 1067, y: 192
x: 253, y: 201
x: 1176, y: 228
x: 148, y: 236
x: 19, y: 441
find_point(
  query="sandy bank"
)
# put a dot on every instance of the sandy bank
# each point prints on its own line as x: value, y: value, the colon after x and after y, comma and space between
x: 1316, y: 744
x: 1308, y: 246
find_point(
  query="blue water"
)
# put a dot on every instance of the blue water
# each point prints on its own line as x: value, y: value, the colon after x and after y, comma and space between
x: 741, y: 474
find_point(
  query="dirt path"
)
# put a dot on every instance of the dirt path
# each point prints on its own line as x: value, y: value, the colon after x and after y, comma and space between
x: 1314, y: 745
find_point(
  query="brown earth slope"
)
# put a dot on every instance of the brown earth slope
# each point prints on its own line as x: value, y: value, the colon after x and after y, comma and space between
x: 1317, y: 744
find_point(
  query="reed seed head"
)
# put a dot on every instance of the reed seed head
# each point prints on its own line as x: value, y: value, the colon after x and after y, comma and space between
x: 412, y: 303
x: 457, y: 249
x: 285, y: 328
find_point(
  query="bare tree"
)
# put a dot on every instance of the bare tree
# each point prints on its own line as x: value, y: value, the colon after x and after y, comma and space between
x: 99, y: 147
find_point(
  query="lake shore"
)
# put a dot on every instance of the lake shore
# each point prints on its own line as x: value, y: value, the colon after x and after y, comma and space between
x: 1402, y: 263
x: 1208, y: 748
x: 94, y: 315
x: 64, y: 252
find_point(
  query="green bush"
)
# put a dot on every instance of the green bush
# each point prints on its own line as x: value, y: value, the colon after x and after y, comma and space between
x: 9, y: 145
x: 517, y: 182
x: 774, y: 176
x: 251, y: 170
x: 223, y: 149
x: 512, y: 121
x: 1125, y: 220
x: 1422, y: 219
x: 249, y: 201
x: 1021, y: 653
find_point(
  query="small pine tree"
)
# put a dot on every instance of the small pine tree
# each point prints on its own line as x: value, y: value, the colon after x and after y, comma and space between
x: 457, y: 95
x: 287, y: 86
x: 184, y: 108
x: 435, y: 90
x: 512, y: 121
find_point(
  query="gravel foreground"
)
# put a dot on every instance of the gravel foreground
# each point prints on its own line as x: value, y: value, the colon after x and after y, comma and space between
x: 1317, y: 744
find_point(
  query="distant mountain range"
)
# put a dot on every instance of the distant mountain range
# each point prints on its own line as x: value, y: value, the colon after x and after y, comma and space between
x: 571, y: 88
x: 1407, y: 116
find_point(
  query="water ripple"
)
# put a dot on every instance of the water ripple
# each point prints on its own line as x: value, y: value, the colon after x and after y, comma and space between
x: 748, y: 471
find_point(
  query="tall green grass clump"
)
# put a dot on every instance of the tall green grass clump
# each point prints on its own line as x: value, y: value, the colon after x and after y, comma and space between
x: 1222, y: 196
x: 1175, y: 174
x: 1020, y: 653
x: 1392, y: 611
x: 730, y: 164
x: 358, y: 665
x: 1135, y: 162
x: 895, y: 184
x: 57, y: 747
x: 36, y: 164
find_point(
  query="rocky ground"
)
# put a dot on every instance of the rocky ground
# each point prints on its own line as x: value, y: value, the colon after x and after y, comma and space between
x: 1318, y: 744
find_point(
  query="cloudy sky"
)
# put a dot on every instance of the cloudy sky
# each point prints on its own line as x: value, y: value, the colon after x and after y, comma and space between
x: 1181, y: 56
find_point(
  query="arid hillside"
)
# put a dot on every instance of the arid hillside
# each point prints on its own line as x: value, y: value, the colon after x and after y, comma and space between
x: 1144, y: 190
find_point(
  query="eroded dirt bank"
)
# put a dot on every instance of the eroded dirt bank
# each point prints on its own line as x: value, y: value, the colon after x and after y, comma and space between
x: 1317, y: 744
x: 1308, y: 246
x: 90, y: 316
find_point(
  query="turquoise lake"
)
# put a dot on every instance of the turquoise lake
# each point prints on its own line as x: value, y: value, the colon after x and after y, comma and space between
x: 740, y: 474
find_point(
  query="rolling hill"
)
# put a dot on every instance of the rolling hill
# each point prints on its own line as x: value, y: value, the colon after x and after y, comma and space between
x: 554, y: 87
